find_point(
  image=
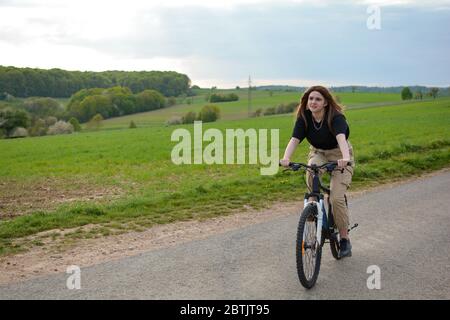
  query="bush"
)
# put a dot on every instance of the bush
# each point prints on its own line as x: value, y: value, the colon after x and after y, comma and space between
x: 174, y: 121
x: 39, y: 128
x: 215, y: 97
x: 209, y: 113
x: 257, y: 113
x: 95, y: 122
x: 76, y: 125
x: 60, y: 127
x: 189, y: 117
x: 149, y: 100
x: 43, y: 107
x: 12, y: 118
x: 49, y: 121
x: 280, y: 109
x: 19, y: 132
x: 171, y: 101
x: 132, y: 125
x: 406, y: 94
x: 270, y: 111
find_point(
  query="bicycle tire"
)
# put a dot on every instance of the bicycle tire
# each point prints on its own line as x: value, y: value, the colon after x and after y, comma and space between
x: 334, y: 242
x: 308, y: 278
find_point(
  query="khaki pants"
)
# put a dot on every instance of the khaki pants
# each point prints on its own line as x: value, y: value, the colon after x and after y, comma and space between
x: 339, y: 182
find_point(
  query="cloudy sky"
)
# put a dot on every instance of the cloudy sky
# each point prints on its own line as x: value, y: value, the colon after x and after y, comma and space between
x: 221, y: 43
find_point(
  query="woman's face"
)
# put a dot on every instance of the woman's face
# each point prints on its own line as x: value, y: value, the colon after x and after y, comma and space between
x: 316, y: 102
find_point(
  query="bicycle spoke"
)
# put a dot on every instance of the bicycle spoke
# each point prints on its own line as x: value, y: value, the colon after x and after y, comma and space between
x: 310, y: 252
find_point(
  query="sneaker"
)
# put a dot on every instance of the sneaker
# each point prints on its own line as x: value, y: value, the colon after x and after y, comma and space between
x: 345, y: 248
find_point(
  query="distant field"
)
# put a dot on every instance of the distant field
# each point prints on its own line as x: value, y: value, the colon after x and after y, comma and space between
x: 390, y: 142
x: 239, y: 109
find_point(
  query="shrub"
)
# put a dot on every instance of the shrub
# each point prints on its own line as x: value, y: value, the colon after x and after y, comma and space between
x: 174, y: 120
x: 189, y: 117
x: 149, y: 100
x: 39, y: 128
x: 215, y: 97
x: 269, y: 111
x: 209, y: 113
x: 95, y: 122
x: 60, y: 127
x: 171, y: 101
x: 43, y: 107
x: 406, y: 94
x: 19, y: 132
x: 280, y: 109
x: 257, y: 113
x: 11, y: 118
x: 49, y: 121
x: 132, y: 125
x: 76, y: 125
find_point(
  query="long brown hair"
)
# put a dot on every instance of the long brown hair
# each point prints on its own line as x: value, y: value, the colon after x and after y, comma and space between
x: 332, y: 108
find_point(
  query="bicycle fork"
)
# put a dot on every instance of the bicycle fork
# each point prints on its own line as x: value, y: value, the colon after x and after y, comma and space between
x: 320, y: 215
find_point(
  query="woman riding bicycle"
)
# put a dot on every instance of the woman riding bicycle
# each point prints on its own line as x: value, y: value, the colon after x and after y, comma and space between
x: 321, y: 121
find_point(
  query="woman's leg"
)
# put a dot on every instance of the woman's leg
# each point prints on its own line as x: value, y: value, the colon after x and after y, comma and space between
x: 314, y: 157
x: 339, y: 184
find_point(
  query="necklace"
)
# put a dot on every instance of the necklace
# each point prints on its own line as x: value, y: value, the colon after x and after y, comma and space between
x: 314, y: 123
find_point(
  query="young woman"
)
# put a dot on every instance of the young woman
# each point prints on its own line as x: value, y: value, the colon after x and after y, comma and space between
x: 321, y: 121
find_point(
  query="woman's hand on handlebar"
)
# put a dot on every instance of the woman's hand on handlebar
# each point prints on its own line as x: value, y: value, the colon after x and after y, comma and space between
x: 285, y: 162
x: 342, y: 163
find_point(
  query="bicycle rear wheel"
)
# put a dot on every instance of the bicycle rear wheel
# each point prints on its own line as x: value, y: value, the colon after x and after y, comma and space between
x: 308, y: 250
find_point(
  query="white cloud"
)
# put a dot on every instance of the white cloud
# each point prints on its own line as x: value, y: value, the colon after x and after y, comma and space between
x: 221, y: 42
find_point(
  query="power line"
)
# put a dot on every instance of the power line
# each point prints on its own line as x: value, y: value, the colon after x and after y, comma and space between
x: 249, y: 96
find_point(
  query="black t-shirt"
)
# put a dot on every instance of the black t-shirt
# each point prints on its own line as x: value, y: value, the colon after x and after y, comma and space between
x: 322, y: 138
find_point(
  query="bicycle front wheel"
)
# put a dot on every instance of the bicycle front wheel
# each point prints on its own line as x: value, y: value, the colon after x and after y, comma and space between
x: 309, y: 252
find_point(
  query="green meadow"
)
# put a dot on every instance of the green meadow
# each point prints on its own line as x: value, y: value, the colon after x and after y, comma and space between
x: 239, y: 109
x: 390, y: 142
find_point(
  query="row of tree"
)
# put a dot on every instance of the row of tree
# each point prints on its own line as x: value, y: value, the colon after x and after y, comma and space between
x: 280, y: 109
x: 408, y: 95
x: 112, y: 102
x: 215, y: 97
x: 208, y: 113
x: 28, y: 82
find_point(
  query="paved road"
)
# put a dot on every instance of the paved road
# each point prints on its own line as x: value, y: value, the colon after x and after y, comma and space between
x: 404, y: 230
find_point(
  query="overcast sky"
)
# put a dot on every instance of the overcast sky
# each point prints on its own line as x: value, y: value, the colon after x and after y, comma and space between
x: 221, y: 43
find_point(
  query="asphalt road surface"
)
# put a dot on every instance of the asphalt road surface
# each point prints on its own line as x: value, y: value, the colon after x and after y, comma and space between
x: 403, y: 230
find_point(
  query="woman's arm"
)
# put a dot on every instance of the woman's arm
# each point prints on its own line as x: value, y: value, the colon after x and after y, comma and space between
x: 343, y: 145
x: 292, y: 145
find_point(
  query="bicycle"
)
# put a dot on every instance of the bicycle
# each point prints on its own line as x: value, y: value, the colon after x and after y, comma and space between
x: 316, y: 225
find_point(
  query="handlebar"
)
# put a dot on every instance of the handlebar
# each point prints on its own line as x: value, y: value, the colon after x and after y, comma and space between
x: 329, y: 166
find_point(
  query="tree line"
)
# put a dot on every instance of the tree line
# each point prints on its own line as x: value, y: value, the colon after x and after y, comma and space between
x: 39, y: 116
x: 112, y: 102
x: 57, y: 83
x: 407, y: 94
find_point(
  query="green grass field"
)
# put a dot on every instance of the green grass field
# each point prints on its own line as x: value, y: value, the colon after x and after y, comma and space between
x: 390, y: 142
x: 239, y: 109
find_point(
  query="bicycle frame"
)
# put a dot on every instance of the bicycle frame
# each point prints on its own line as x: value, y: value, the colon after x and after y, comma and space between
x: 322, y: 213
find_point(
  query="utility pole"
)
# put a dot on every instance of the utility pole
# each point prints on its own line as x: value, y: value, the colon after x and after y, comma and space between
x: 249, y: 96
